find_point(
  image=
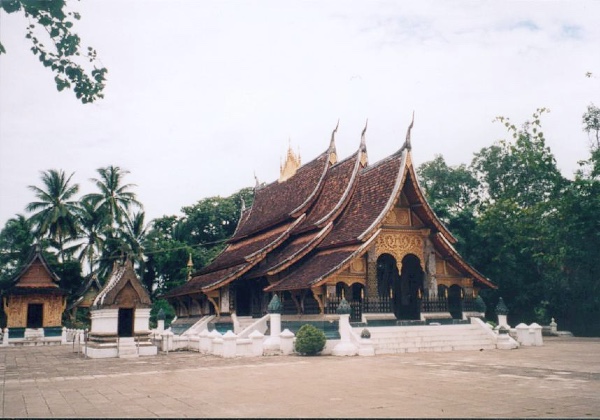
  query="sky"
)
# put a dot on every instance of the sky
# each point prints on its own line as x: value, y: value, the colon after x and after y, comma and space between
x: 201, y: 96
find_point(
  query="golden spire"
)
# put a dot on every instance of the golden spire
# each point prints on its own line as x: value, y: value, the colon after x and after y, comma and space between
x: 291, y: 165
x: 332, y: 151
x: 190, y: 267
x: 364, y: 159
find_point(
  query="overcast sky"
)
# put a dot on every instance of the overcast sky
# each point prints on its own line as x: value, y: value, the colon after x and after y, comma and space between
x: 203, y: 94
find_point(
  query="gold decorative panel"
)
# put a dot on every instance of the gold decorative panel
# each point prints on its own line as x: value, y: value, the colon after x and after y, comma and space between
x: 358, y: 266
x: 397, y: 217
x: 400, y: 244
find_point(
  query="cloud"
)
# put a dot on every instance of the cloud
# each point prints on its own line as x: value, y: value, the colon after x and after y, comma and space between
x: 572, y: 31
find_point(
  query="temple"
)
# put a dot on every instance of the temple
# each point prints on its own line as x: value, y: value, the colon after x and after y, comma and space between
x: 333, y: 229
x: 35, y: 302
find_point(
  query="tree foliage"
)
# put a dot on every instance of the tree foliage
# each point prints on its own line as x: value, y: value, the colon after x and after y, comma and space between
x: 591, y: 125
x: 51, y: 24
x: 56, y: 210
x: 533, y: 232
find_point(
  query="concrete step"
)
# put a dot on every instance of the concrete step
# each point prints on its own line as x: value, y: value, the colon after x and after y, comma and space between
x: 128, y: 348
x: 391, y: 340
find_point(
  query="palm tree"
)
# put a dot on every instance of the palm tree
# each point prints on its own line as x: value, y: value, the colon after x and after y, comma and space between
x: 134, y: 236
x: 93, y: 225
x: 55, y: 214
x: 114, y: 198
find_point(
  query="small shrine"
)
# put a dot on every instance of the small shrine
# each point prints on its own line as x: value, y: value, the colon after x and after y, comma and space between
x: 120, y: 317
x: 34, y: 304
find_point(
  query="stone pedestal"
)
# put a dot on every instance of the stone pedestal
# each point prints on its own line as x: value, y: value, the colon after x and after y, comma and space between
x: 345, y: 347
x: 257, y: 342
x: 229, y: 344
x: 63, y: 336
x: 523, y: 336
x: 502, y: 321
x: 273, y: 342
x: 287, y: 342
x: 167, y: 341
x: 5, y: 337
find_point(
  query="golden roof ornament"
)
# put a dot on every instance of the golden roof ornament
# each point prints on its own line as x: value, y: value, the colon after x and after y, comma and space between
x: 332, y: 150
x: 364, y: 158
x: 290, y: 166
x: 190, y: 267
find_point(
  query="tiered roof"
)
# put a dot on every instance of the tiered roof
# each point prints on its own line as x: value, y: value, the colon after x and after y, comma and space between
x: 36, y: 276
x: 310, y: 226
x: 122, y: 277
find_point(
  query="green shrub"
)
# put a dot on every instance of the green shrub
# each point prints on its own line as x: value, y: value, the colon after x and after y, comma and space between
x: 310, y: 340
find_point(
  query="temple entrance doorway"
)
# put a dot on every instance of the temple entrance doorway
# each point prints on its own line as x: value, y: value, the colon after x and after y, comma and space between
x: 243, y: 299
x: 249, y: 297
x: 387, y: 278
x: 455, y: 301
x: 35, y: 315
x: 407, y: 302
x: 125, y: 322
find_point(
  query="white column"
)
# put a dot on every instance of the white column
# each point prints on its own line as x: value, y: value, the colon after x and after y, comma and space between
x: 273, y: 342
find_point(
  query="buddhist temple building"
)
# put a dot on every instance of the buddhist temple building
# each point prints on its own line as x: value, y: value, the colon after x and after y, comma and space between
x: 120, y: 317
x: 35, y: 303
x: 332, y: 229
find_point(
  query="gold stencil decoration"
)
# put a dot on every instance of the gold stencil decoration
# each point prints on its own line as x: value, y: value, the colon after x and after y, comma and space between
x: 402, y: 215
x: 390, y: 219
x: 357, y: 266
x: 399, y: 245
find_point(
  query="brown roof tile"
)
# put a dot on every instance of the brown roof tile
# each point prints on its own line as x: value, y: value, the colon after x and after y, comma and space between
x: 245, y: 249
x: 376, y: 185
x: 334, y: 194
x: 313, y: 269
x: 290, y: 252
x: 196, y: 284
x: 279, y: 201
x: 316, y: 269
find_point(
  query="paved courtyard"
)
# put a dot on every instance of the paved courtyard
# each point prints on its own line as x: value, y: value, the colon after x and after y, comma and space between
x: 560, y: 379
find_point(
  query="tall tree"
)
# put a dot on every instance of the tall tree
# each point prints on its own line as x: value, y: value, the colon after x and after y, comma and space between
x: 55, y: 213
x: 523, y: 170
x: 16, y: 240
x: 51, y: 24
x: 591, y: 125
x: 92, y: 225
x: 519, y: 187
x: 115, y: 198
x: 134, y: 235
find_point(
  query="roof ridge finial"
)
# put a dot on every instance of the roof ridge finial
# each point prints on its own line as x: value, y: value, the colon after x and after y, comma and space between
x: 332, y: 149
x: 362, y: 135
x: 256, y: 179
x: 332, y: 142
x: 407, y: 144
x: 364, y: 158
x: 189, y: 267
